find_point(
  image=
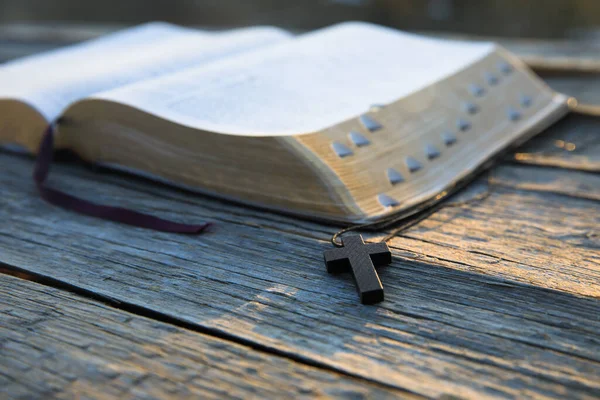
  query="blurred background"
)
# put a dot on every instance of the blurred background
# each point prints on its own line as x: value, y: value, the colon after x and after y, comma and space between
x: 29, y: 26
x: 532, y: 18
x: 533, y: 29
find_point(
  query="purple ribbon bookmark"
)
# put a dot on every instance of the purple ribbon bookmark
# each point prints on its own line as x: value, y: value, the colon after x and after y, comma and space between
x: 117, y: 214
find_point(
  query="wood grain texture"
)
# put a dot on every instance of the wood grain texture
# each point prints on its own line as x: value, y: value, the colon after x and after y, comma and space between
x: 56, y: 344
x: 572, y: 143
x: 493, y: 300
x: 485, y: 301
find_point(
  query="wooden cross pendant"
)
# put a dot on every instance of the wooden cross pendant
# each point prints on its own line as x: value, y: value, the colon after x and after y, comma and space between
x: 361, y: 259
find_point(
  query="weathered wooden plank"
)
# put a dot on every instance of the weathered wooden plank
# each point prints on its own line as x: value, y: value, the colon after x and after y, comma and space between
x: 474, y: 320
x: 54, y: 33
x: 579, y: 184
x: 468, y: 311
x: 584, y: 87
x: 566, y: 55
x: 557, y: 55
x: 56, y: 344
x: 572, y: 143
x: 536, y: 238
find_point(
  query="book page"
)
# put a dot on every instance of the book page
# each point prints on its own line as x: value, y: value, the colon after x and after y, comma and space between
x: 304, y: 85
x: 50, y: 82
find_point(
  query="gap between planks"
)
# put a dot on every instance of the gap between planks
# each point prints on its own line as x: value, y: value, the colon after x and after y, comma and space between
x: 137, y: 310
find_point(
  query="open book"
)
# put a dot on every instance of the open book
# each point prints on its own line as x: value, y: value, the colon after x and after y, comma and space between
x: 350, y: 123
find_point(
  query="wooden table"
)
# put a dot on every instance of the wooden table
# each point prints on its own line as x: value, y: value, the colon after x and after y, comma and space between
x: 498, y: 299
